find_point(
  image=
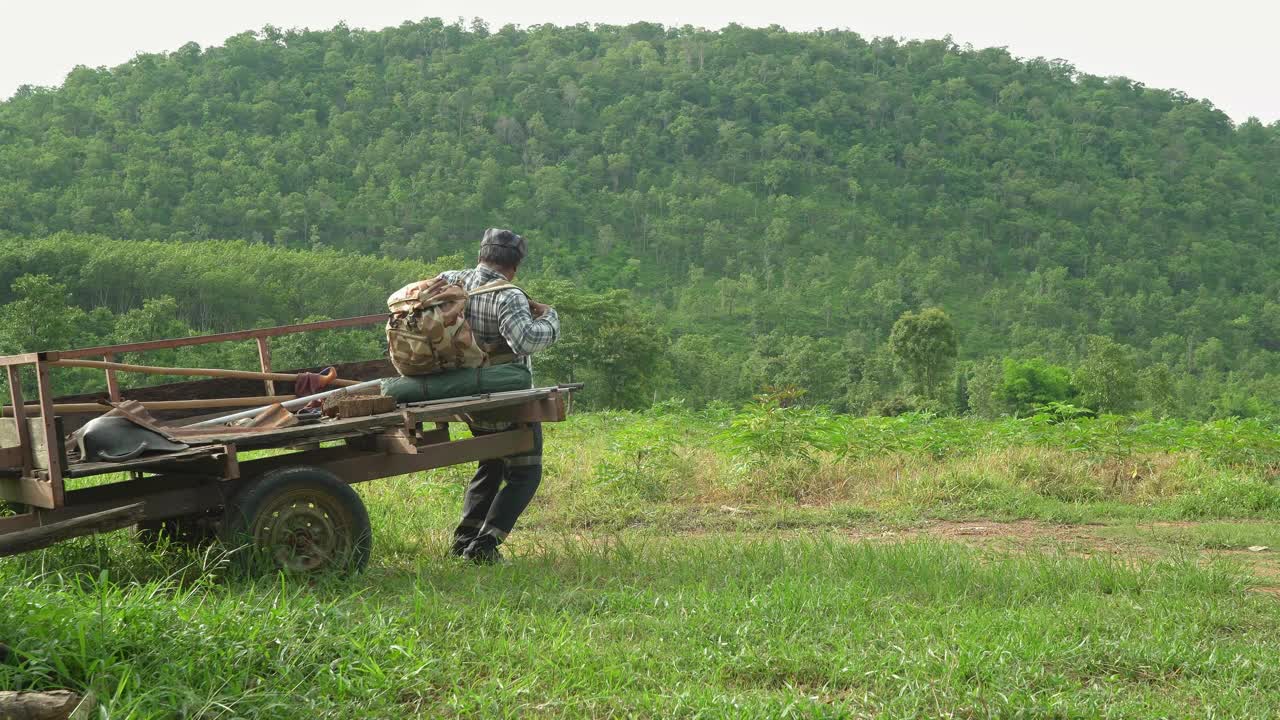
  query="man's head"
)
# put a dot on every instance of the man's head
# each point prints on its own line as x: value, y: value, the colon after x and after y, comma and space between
x: 503, y: 249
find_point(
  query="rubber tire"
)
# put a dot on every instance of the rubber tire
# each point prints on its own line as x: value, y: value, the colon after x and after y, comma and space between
x: 246, y: 510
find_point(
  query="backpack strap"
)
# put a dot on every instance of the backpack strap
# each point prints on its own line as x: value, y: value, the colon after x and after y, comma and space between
x: 493, y: 287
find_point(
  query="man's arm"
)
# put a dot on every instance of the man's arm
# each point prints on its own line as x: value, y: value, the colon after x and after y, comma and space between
x: 522, y: 331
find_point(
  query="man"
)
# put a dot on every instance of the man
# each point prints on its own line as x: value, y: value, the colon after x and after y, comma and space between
x: 507, y: 319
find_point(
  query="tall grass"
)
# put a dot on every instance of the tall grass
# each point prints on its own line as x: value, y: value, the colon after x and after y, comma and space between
x: 626, y: 468
x: 607, y: 612
x: 657, y: 627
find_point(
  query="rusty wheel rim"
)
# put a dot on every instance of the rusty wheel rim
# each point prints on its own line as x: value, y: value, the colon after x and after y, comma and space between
x: 303, y: 532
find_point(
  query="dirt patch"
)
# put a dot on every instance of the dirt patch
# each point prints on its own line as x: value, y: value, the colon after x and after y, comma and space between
x: 1024, y: 531
x: 1017, y: 536
x: 1080, y: 540
x: 986, y: 532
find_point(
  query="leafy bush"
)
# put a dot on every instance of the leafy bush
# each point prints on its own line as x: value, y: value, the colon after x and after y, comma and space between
x: 1029, y: 384
x: 767, y: 428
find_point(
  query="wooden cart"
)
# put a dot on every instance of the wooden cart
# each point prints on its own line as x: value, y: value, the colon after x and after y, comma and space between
x: 296, y: 506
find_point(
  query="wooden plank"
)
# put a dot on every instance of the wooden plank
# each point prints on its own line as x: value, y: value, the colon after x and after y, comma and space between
x: 55, y: 451
x: 218, y: 337
x: 12, y: 523
x: 33, y: 439
x: 22, y: 430
x: 12, y: 458
x: 28, y: 491
x: 230, y: 462
x: 308, y: 433
x: 163, y: 404
x: 295, y: 434
x: 163, y: 496
x: 548, y: 409
x: 215, y: 388
x: 372, y: 466
x: 397, y: 442
x: 454, y: 411
x: 298, y: 434
x: 264, y: 362
x: 113, y: 387
x: 142, y: 463
x: 20, y: 359
x: 433, y: 437
x: 111, y: 366
x: 36, y: 538
x: 384, y: 420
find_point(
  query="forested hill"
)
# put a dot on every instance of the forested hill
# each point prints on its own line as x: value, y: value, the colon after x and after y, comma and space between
x: 781, y: 197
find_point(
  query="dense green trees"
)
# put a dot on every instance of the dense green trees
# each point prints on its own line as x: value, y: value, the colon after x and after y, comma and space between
x: 775, y: 201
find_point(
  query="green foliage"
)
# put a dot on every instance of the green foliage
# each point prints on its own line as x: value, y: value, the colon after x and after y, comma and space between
x: 644, y: 464
x: 40, y: 317
x: 606, y: 341
x: 741, y: 184
x: 773, y: 427
x: 1108, y: 376
x: 924, y: 346
x: 1029, y: 384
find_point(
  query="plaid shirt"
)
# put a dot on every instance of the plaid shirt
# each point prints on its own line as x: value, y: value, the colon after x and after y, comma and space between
x: 504, y: 316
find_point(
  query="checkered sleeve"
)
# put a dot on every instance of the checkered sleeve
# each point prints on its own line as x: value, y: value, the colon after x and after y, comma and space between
x: 523, y: 332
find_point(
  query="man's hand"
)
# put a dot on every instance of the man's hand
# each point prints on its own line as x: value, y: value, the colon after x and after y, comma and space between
x: 538, y: 309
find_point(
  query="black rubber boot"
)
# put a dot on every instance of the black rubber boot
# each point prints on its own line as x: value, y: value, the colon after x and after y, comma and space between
x: 483, y: 551
x: 460, y: 544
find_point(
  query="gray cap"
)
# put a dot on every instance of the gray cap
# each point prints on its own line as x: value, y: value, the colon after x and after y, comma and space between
x: 505, y: 238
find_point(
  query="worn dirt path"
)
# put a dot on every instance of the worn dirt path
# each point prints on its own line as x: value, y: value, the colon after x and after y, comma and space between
x: 1139, y: 541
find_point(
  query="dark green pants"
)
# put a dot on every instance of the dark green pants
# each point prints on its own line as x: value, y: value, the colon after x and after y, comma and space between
x: 500, y: 491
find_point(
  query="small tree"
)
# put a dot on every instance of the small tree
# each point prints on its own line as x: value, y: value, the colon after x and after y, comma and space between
x: 618, y: 349
x: 924, y: 347
x: 41, y: 318
x: 1108, y: 378
x: 1158, y: 389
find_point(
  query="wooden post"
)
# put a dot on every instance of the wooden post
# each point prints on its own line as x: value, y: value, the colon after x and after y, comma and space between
x: 264, y: 359
x: 53, y: 439
x: 20, y: 414
x: 21, y: 541
x: 113, y: 388
x: 199, y: 372
x: 212, y: 403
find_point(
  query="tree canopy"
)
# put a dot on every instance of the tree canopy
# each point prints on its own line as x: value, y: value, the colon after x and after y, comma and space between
x: 773, y: 200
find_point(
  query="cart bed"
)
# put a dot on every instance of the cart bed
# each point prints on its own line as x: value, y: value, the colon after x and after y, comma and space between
x: 537, y: 404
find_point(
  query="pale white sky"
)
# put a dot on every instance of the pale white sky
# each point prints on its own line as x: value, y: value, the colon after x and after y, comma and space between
x: 1224, y: 50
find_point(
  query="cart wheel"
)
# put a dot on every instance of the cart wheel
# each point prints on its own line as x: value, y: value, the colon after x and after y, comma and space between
x: 299, y: 519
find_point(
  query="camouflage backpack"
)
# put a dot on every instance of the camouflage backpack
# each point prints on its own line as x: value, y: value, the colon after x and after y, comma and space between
x: 427, y: 331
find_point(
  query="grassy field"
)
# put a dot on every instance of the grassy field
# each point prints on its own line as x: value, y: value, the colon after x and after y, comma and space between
x: 767, y: 563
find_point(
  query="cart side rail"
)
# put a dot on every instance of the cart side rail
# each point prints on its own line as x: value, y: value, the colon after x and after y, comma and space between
x: 32, y: 450
x: 32, y: 445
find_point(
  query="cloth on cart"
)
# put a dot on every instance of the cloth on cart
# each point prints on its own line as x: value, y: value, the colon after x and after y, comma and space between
x: 125, y: 432
x: 458, y: 383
